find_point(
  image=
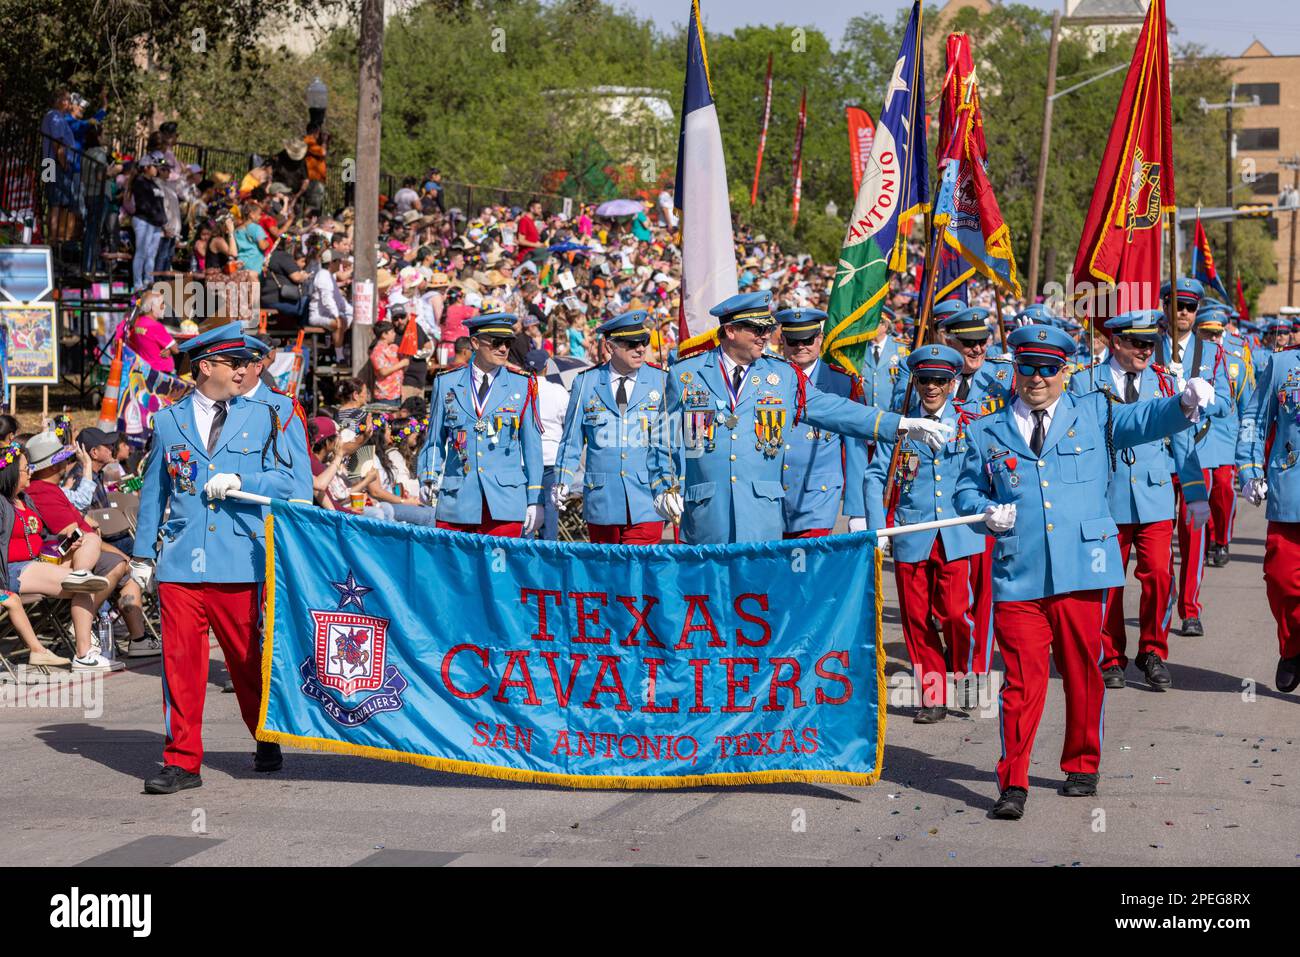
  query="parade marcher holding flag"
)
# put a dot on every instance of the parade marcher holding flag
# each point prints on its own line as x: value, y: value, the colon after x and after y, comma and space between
x: 482, y: 456
x: 823, y: 469
x: 211, y: 561
x: 614, y: 409
x: 933, y: 569
x: 1141, y: 498
x: 895, y: 188
x: 1038, y: 470
x: 719, y: 464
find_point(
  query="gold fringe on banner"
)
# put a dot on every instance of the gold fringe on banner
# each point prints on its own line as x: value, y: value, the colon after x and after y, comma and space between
x: 613, y: 782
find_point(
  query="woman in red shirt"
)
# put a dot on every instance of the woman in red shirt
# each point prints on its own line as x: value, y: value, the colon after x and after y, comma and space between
x: 25, y: 572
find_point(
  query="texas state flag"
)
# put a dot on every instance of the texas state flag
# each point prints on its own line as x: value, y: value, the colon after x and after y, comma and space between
x: 708, y: 253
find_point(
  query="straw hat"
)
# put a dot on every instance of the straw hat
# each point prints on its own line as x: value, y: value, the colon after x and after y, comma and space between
x: 384, y: 280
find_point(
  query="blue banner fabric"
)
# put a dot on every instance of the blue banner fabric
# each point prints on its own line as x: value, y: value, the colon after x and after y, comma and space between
x: 604, y: 666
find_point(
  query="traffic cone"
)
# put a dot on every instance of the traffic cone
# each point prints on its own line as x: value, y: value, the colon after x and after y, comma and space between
x: 112, y: 391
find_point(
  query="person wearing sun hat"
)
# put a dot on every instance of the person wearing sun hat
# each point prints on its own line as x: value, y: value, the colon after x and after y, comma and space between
x: 1037, y: 470
x: 211, y: 562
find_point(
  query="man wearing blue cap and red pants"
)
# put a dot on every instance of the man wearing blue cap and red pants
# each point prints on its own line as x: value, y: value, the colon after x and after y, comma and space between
x: 211, y: 562
x: 1037, y: 470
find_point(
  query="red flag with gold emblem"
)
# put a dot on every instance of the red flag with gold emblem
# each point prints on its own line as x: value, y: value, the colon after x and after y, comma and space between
x: 1121, y: 242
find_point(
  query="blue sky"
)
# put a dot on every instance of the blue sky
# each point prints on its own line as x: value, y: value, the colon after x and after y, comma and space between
x: 1221, y: 27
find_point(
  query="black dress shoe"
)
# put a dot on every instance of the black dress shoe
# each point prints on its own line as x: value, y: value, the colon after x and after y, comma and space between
x: 268, y: 757
x: 172, y: 779
x: 1155, y: 670
x: 1220, y: 556
x: 1288, y: 674
x: 1011, y: 804
x: 228, y: 687
x: 930, y: 715
x: 1079, y: 784
x: 1192, y: 628
x: 1113, y: 676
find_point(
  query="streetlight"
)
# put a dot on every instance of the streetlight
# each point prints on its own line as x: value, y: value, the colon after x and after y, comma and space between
x: 317, y: 100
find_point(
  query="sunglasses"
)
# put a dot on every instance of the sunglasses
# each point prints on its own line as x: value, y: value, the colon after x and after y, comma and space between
x: 638, y: 343
x: 493, y: 342
x: 761, y: 332
x: 973, y: 344
x: 233, y: 363
x: 926, y: 380
x: 1046, y: 371
x: 1140, y: 344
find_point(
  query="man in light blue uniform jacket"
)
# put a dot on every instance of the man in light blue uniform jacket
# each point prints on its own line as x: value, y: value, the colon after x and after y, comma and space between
x: 718, y: 466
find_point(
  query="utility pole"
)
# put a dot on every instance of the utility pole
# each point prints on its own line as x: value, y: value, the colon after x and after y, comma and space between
x: 370, y: 53
x: 1293, y: 201
x: 1229, y: 153
x: 1040, y: 189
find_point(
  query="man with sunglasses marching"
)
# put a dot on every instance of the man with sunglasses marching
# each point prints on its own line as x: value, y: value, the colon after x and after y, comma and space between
x: 1036, y: 469
x: 614, y: 409
x: 1141, y: 498
x: 482, y: 457
x: 211, y: 562
x: 719, y: 464
x: 818, y: 461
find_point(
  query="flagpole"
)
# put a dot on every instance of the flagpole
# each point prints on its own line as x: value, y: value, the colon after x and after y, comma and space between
x: 1172, y: 306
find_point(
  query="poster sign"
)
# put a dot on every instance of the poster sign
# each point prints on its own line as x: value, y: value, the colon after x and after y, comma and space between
x: 33, y: 356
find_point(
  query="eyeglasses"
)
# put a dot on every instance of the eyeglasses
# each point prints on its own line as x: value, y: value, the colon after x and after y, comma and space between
x: 1046, y: 371
x: 1141, y: 345
x: 235, y: 364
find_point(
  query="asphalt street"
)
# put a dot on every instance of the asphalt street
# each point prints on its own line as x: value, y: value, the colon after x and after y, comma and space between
x: 1205, y: 774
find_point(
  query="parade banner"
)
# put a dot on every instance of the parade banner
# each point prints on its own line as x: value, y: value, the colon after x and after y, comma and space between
x: 1121, y: 241
x: 582, y: 665
x: 797, y: 171
x: 862, y: 132
x: 1203, y: 267
x: 762, y: 133
x: 894, y: 188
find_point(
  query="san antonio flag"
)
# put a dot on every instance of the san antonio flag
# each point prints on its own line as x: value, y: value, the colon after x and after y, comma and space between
x: 602, y: 666
x: 896, y: 185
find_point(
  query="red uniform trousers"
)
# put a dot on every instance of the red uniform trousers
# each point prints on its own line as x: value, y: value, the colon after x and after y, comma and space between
x: 1153, y: 541
x: 638, y: 533
x: 1191, y: 556
x: 234, y: 613
x: 943, y: 587
x: 487, y: 526
x: 1223, y: 503
x: 807, y: 533
x: 1282, y: 582
x: 1070, y: 626
x: 976, y: 655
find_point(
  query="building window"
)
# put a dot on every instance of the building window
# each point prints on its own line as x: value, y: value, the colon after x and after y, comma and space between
x: 1267, y: 92
x: 1257, y: 139
x: 1265, y: 184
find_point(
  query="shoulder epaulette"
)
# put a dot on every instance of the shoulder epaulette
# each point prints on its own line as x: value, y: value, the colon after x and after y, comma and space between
x: 456, y: 368
x: 298, y: 412
x: 655, y: 365
x: 518, y: 371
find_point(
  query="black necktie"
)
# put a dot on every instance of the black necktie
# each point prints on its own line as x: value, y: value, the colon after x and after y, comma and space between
x: 1036, y: 440
x: 963, y: 390
x: 737, y: 376
x: 932, y: 417
x: 1130, y: 387
x: 218, y: 420
x: 621, y: 398
x: 484, y: 384
x: 875, y: 353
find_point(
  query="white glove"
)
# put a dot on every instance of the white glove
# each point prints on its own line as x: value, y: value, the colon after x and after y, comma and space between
x: 559, y: 495
x: 532, y: 520
x: 670, y: 506
x: 932, y: 433
x: 429, y: 493
x: 1197, y: 396
x: 1198, y: 513
x: 1000, y: 518
x: 857, y: 523
x: 142, y: 573
x: 220, y: 484
x: 1255, y: 491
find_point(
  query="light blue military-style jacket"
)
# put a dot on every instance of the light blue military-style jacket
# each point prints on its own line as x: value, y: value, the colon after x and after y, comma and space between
x: 878, y: 377
x: 294, y: 438
x: 495, y: 456
x: 730, y: 465
x: 1141, y: 488
x: 203, y: 540
x: 924, y: 485
x: 616, y: 477
x: 1064, y: 538
x: 818, y: 460
x: 990, y: 389
x: 1272, y: 421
